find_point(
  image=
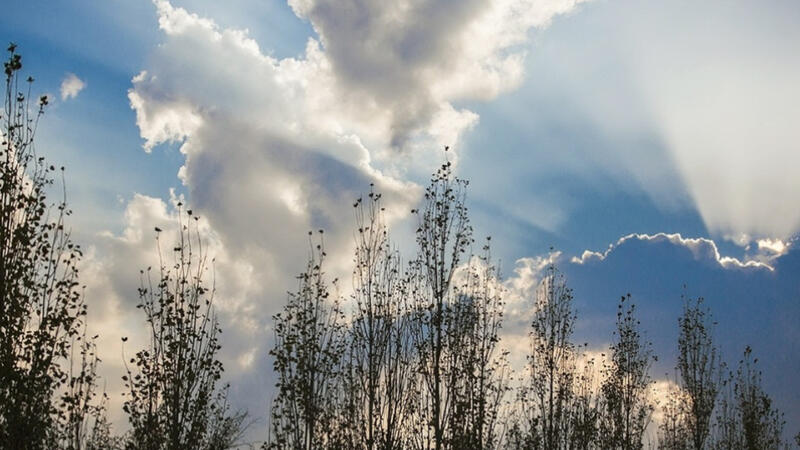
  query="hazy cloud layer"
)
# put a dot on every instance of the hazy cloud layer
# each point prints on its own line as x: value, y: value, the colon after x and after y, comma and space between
x: 692, y: 103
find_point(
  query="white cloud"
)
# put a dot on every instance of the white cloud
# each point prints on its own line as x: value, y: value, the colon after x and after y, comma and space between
x: 402, y: 64
x: 276, y: 147
x: 520, y: 296
x: 774, y: 246
x: 528, y: 273
x: 701, y: 248
x: 71, y: 85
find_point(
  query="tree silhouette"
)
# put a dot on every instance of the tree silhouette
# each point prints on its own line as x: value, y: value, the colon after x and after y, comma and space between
x: 673, y: 431
x: 41, y: 301
x: 174, y: 401
x: 584, y: 408
x: 82, y: 416
x: 548, y: 391
x: 308, y: 354
x: 443, y: 238
x: 378, y: 374
x: 479, y: 382
x: 626, y: 408
x: 699, y: 369
x: 746, y: 418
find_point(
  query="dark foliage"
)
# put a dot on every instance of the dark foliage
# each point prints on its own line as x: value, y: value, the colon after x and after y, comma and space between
x: 174, y: 402
x: 626, y: 407
x: 308, y: 351
x: 47, y: 367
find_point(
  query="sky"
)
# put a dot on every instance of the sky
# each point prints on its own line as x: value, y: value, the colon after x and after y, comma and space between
x: 644, y: 147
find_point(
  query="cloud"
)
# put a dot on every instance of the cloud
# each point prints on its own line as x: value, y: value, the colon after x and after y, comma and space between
x: 774, y: 246
x: 528, y: 273
x: 701, y: 119
x: 276, y: 147
x: 701, y: 248
x: 111, y: 273
x: 413, y: 59
x: 71, y: 85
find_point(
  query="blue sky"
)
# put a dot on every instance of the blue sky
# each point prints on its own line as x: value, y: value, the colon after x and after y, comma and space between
x: 577, y: 123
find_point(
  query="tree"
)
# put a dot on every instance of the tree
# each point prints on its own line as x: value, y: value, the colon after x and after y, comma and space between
x: 626, y: 408
x: 762, y: 423
x: 673, y: 431
x: 699, y: 369
x: 747, y: 420
x: 308, y: 353
x: 82, y: 420
x: 456, y: 308
x: 551, y: 364
x: 726, y: 432
x: 443, y: 238
x: 480, y: 380
x: 174, y: 402
x: 41, y: 302
x: 584, y: 410
x: 379, y: 368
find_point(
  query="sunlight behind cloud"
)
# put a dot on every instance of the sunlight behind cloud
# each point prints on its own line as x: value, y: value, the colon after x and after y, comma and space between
x: 722, y: 93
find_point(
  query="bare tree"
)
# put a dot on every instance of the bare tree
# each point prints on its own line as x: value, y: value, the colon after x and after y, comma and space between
x: 41, y: 302
x: 726, y: 433
x: 584, y: 410
x: 456, y: 313
x: 173, y: 400
x: 699, y: 369
x: 308, y: 354
x: 746, y: 418
x: 480, y: 381
x: 551, y: 364
x: 82, y: 423
x: 379, y: 367
x: 762, y: 423
x: 673, y: 431
x: 443, y: 238
x: 626, y: 408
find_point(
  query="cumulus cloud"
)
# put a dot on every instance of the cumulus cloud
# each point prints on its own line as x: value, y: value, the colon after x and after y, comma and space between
x: 412, y: 59
x: 113, y: 265
x: 701, y: 248
x: 71, y: 85
x: 528, y: 272
x: 774, y: 246
x: 276, y: 147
